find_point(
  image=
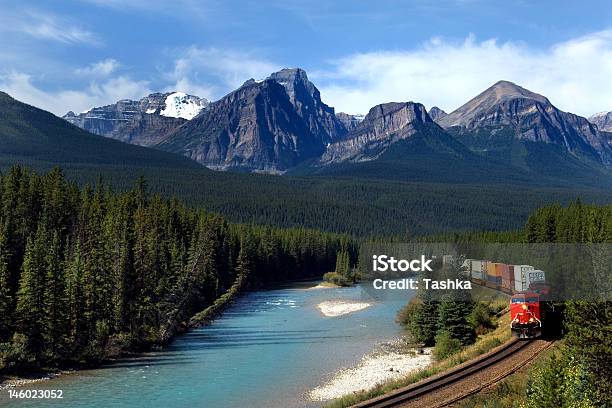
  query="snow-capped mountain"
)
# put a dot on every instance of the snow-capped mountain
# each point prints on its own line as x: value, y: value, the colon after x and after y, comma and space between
x: 603, y: 121
x: 144, y: 122
x: 181, y: 105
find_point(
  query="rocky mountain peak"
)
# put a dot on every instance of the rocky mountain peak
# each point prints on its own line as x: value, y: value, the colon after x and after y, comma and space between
x: 255, y: 128
x: 603, y: 121
x: 527, y: 116
x: 384, y: 125
x: 143, y: 122
x: 513, y: 99
x: 436, y: 113
x: 292, y: 78
x: 502, y: 90
x: 306, y: 99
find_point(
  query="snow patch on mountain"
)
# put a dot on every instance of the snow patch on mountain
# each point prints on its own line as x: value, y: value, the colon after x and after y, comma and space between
x: 181, y: 105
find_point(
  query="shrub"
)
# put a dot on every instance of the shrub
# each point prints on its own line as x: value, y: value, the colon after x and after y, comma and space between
x: 337, y: 279
x: 445, y: 345
x: 16, y: 355
x: 480, y: 318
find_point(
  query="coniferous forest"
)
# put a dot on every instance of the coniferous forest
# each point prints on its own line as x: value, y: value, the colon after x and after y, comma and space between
x: 87, y: 274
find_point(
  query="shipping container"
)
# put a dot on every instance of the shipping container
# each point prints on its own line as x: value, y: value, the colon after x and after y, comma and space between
x: 495, y: 279
x: 491, y: 269
x: 520, y: 277
x: 535, y: 275
x: 493, y: 285
x: 501, y: 269
x: 477, y: 275
x: 506, y: 286
x: 475, y: 266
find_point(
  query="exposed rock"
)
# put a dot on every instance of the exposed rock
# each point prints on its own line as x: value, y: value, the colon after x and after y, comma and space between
x: 254, y: 128
x: 349, y: 121
x: 531, y: 117
x: 384, y: 125
x: 306, y: 98
x: 436, y: 113
x: 144, y: 122
x: 269, y: 125
x: 603, y: 121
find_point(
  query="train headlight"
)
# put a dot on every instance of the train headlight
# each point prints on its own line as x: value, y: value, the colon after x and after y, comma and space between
x: 531, y: 320
x: 524, y: 306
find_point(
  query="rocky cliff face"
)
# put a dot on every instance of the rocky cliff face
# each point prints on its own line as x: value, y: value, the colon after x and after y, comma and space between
x: 383, y: 125
x: 531, y: 117
x: 269, y: 125
x: 306, y: 98
x: 349, y: 121
x: 255, y: 128
x: 436, y: 113
x: 602, y: 120
x: 144, y: 122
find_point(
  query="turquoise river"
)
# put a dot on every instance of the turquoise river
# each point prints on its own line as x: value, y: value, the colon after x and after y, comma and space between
x: 268, y: 349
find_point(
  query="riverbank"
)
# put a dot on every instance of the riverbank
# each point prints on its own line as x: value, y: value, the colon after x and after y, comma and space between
x: 390, y: 362
x: 483, y: 344
x: 14, y: 382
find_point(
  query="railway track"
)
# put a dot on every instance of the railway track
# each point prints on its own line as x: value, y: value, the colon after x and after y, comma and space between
x: 453, y: 376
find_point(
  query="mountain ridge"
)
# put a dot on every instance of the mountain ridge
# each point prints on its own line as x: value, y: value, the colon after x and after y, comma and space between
x: 280, y: 123
x: 143, y: 122
x: 532, y: 117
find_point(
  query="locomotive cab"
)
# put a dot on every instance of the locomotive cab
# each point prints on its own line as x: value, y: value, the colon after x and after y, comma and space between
x: 525, y: 315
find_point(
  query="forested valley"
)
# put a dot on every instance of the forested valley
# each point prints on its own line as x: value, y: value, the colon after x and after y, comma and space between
x: 87, y: 274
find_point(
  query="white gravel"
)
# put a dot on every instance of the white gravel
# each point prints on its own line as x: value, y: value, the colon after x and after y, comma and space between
x: 20, y: 382
x: 374, y: 368
x: 335, y: 308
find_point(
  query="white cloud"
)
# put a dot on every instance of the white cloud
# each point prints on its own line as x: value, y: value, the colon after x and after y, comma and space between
x: 211, y: 72
x: 21, y: 87
x: 574, y: 75
x: 46, y: 26
x: 99, y: 69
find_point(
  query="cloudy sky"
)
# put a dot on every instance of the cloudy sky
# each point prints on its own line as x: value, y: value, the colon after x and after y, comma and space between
x: 71, y: 55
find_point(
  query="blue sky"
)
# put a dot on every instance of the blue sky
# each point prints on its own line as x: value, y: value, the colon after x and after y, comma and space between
x: 72, y: 55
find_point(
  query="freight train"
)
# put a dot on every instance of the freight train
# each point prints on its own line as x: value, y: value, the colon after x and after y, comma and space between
x: 527, y: 286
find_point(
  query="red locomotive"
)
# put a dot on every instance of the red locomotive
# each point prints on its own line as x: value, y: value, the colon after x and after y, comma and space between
x: 526, y: 315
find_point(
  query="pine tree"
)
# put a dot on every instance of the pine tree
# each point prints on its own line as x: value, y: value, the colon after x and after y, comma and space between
x: 453, y: 317
x: 30, y: 297
x: 245, y: 261
x: 6, y: 298
x: 77, y: 333
x: 55, y: 299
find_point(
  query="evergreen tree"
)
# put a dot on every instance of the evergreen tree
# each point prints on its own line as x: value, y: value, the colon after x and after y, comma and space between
x: 6, y: 298
x: 453, y: 317
x: 77, y: 332
x: 55, y: 299
x: 30, y: 297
